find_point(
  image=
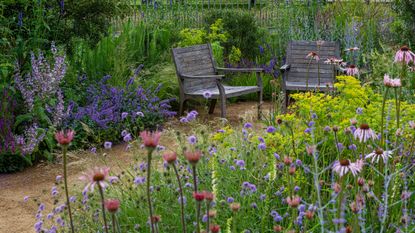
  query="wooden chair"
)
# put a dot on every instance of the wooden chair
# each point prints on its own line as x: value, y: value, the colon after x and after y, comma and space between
x: 294, y: 72
x: 197, y: 74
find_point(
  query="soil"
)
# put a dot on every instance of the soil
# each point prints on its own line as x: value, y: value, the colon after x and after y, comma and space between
x: 18, y: 216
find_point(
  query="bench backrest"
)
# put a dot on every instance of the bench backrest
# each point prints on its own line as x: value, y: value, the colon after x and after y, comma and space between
x: 296, y: 56
x: 194, y: 60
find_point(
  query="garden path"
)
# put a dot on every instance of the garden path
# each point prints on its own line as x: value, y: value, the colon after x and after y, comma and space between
x: 16, y: 216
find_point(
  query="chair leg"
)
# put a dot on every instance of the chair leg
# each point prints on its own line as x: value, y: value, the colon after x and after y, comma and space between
x: 223, y: 106
x: 259, y: 93
x: 181, y: 107
x: 285, y: 101
x: 212, y: 105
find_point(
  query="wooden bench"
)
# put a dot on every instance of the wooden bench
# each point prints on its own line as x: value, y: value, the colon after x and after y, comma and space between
x: 299, y: 68
x: 197, y: 74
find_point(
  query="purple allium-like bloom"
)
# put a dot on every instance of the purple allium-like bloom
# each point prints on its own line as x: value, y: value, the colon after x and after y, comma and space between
x: 232, y: 168
x: 139, y: 180
x: 308, y: 130
x: 183, y: 120
x: 124, y: 132
x: 311, y: 124
x: 240, y: 163
x: 184, y: 200
x: 38, y: 226
x: 254, y: 205
x: 359, y: 111
x: 327, y: 129
x: 296, y: 189
x: 271, y: 129
x: 353, y: 147
x: 72, y: 199
x: 192, y: 139
x: 54, y: 191
x: 107, y: 145
x: 41, y: 207
x: 26, y: 198
x: 124, y: 115
x: 139, y: 114
x: 340, y: 146
x: 230, y: 200
x: 313, y: 116
x: 127, y: 138
x: 262, y: 197
x: 267, y: 176
x: 262, y: 146
x: 298, y: 162
x: 247, y: 125
x: 49, y: 216
x: 277, y: 156
x: 207, y: 94
x: 93, y: 150
x: 58, y: 178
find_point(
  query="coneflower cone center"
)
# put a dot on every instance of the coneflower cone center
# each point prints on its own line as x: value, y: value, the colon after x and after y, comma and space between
x: 344, y: 162
x: 404, y: 48
x: 352, y: 66
x: 379, y: 151
x: 364, y: 126
x: 98, y: 177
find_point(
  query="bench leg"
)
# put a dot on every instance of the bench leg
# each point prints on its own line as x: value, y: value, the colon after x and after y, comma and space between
x: 212, y: 105
x: 259, y: 93
x: 223, y: 106
x: 181, y: 108
x: 285, y: 101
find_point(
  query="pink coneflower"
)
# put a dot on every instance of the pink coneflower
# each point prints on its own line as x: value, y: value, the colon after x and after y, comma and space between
x: 293, y: 201
x: 390, y: 82
x: 112, y: 205
x: 343, y: 166
x: 150, y: 139
x: 364, y: 133
x: 208, y: 196
x: 313, y: 55
x: 97, y: 176
x: 379, y: 154
x: 235, y: 206
x: 333, y: 61
x: 198, y: 196
x: 170, y: 157
x: 404, y: 54
x: 64, y: 137
x: 352, y: 70
x: 193, y: 156
x: 352, y: 49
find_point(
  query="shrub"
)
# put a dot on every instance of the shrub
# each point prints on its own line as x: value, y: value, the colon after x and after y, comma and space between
x: 108, y: 110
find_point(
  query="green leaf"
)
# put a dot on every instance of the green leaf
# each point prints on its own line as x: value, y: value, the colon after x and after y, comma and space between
x: 22, y: 118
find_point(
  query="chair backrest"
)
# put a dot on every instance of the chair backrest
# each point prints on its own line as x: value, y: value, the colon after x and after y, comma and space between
x: 194, y: 60
x: 296, y: 56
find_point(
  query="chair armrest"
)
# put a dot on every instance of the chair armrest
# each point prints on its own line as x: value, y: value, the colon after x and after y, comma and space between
x: 216, y: 77
x: 240, y: 70
x: 285, y: 68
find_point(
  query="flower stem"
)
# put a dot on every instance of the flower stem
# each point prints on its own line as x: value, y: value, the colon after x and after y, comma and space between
x: 113, y: 223
x: 382, y: 137
x: 207, y: 214
x: 101, y: 193
x: 150, y: 210
x: 197, y: 202
x: 398, y: 106
x: 317, y: 186
x: 65, y: 179
x: 181, y: 198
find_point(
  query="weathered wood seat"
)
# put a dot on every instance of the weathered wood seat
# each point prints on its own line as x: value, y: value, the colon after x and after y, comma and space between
x: 197, y: 74
x: 298, y: 67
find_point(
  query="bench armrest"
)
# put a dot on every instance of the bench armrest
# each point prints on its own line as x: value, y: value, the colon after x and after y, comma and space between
x: 215, y: 77
x: 241, y: 70
x: 285, y: 68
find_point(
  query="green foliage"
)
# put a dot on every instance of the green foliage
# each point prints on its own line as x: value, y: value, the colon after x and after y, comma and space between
x: 189, y: 36
x: 242, y: 31
x: 10, y: 162
x: 235, y: 55
x: 404, y: 26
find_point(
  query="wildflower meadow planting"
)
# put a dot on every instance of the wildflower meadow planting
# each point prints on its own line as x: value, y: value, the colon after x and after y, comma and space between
x: 319, y: 134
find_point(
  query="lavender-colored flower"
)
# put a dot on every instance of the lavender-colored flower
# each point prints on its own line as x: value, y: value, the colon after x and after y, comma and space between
x: 232, y: 168
x: 271, y: 129
x: 139, y: 114
x: 359, y: 111
x: 38, y: 226
x: 262, y: 146
x: 277, y: 156
x: 254, y: 205
x: 240, y: 163
x: 124, y: 132
x: 26, y: 198
x: 72, y: 199
x: 308, y: 130
x: 139, y: 180
x: 127, y: 138
x: 352, y: 147
x: 192, y: 139
x: 262, y: 197
x: 230, y: 200
x: 247, y: 125
x: 93, y: 150
x: 327, y: 129
x: 207, y: 94
x: 107, y: 145
x: 311, y: 124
